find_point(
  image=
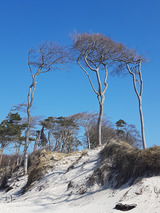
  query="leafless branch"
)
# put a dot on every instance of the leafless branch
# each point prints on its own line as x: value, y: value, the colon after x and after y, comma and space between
x: 87, y: 76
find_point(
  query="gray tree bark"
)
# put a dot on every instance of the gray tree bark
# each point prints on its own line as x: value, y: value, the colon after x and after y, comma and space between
x: 139, y: 80
x: 1, y: 155
x: 30, y: 102
x: 37, y: 140
x: 45, y: 59
x: 88, y: 139
x: 49, y: 140
x: 100, y: 94
x: 99, y: 125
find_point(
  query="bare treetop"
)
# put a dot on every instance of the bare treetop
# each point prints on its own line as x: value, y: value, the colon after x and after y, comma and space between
x: 48, y: 57
x: 93, y: 47
x: 100, y: 49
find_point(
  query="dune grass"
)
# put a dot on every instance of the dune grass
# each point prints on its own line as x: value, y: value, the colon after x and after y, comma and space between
x: 121, y: 163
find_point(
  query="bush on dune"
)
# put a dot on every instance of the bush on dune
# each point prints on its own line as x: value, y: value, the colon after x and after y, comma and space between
x: 121, y: 163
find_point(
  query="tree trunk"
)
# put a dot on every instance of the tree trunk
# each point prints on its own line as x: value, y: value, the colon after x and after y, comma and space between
x: 37, y: 140
x: 18, y: 154
x: 87, y: 134
x: 56, y: 145
x: 49, y: 140
x: 26, y: 151
x: 1, y: 155
x: 30, y: 102
x: 139, y: 96
x: 142, y: 123
x: 100, y: 93
x: 101, y: 99
x: 59, y: 143
x: 99, y: 125
x: 88, y: 139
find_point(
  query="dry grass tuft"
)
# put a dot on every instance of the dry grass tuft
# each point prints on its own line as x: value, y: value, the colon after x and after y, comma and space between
x: 40, y: 161
x: 38, y: 164
x: 123, y: 163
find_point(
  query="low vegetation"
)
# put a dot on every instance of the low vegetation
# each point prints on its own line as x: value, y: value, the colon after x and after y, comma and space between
x: 41, y: 161
x: 38, y: 164
x: 121, y: 163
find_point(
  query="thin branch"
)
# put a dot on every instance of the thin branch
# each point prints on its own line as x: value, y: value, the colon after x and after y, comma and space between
x: 92, y: 62
x: 105, y: 79
x: 134, y: 80
x: 138, y: 82
x: 99, y: 83
x: 87, y: 76
x: 98, y: 97
x: 50, y: 65
x: 140, y: 75
x: 91, y: 68
x: 30, y: 69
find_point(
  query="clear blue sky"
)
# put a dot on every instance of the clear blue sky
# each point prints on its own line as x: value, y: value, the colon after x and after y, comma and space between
x: 26, y: 24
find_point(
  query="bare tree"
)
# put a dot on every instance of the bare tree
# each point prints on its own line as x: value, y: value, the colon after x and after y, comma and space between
x: 10, y: 131
x: 137, y: 79
x: 128, y: 59
x: 35, y: 130
x: 49, y: 124
x: 67, y: 130
x: 96, y: 52
x: 108, y: 132
x: 49, y: 56
x: 86, y: 120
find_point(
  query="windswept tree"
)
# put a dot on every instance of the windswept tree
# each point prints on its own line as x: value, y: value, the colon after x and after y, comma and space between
x: 10, y: 131
x: 66, y: 134
x: 120, y: 124
x: 86, y: 120
x: 35, y: 130
x: 15, y: 108
x: 49, y: 124
x: 136, y: 73
x: 129, y: 60
x: 49, y: 56
x: 128, y: 133
x: 96, y: 53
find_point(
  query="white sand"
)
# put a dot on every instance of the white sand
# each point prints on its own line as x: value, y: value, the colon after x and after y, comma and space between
x: 52, y: 194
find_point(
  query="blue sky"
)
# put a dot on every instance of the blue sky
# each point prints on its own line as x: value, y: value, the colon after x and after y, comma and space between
x: 26, y: 24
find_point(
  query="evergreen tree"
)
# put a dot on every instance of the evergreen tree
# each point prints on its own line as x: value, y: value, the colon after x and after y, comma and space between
x: 10, y: 131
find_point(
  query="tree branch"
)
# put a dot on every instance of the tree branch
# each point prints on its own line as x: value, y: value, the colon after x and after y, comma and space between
x: 134, y: 80
x: 87, y: 76
x: 91, y: 68
x: 141, y: 81
x: 99, y: 83
x: 30, y: 69
x: 105, y: 79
